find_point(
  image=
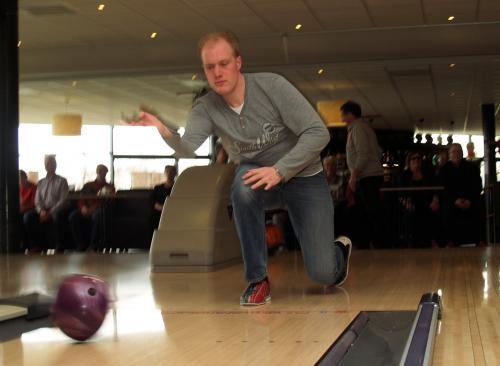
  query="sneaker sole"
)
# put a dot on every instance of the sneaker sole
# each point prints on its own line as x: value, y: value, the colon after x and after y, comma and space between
x: 349, y: 250
x: 266, y: 300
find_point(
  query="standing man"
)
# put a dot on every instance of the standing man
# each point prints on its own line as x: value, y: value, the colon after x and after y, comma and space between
x: 363, y: 159
x: 275, y: 137
x: 48, y: 217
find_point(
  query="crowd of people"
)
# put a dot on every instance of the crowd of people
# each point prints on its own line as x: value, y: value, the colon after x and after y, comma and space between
x: 438, y: 198
x: 452, y: 212
x: 47, y: 210
x: 437, y: 201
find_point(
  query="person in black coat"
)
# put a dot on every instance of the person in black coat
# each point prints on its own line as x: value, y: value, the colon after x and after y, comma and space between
x: 417, y: 205
x: 161, y: 192
x: 461, y: 199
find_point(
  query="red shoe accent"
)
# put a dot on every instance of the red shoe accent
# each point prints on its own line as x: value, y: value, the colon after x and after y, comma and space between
x: 256, y: 294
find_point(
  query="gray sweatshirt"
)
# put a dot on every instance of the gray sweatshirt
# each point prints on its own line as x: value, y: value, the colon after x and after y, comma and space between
x: 276, y: 127
x: 362, y: 150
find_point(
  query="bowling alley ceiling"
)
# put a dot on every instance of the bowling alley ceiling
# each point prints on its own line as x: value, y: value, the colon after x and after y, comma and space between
x: 401, y: 59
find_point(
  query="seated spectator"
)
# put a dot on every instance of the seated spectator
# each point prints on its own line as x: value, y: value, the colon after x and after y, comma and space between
x: 461, y: 199
x: 161, y: 192
x: 442, y: 159
x: 337, y: 176
x: 418, y: 206
x: 44, y: 224
x: 88, y: 222
x: 439, y: 161
x: 330, y: 166
x: 27, y: 192
x: 221, y: 156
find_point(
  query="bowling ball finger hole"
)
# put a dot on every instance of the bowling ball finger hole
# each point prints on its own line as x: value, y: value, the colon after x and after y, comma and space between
x: 92, y: 291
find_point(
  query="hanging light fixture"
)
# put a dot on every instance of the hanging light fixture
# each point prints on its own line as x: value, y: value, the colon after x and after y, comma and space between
x: 329, y: 110
x: 67, y: 124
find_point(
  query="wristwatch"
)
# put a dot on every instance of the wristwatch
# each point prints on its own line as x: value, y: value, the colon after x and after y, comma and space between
x: 279, y: 173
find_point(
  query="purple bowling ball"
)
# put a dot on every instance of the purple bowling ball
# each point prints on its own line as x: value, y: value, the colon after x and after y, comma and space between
x: 81, y: 305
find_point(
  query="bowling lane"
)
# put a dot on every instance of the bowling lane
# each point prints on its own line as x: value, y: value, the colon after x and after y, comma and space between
x: 192, y: 319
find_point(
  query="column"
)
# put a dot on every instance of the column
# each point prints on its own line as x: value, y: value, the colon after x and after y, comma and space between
x: 488, y: 117
x: 9, y: 122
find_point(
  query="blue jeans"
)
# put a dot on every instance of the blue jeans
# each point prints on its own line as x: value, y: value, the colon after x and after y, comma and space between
x: 310, y: 208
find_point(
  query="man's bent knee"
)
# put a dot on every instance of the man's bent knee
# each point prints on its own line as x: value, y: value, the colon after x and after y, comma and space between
x: 326, y: 277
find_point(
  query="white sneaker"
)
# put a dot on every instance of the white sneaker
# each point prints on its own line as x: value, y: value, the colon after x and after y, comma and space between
x: 346, y: 245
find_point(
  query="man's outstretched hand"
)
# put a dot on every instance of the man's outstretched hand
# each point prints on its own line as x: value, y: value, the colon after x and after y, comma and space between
x: 266, y: 177
x: 149, y: 119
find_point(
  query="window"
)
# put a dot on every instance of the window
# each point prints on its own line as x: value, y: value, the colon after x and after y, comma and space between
x: 478, y: 141
x: 463, y: 140
x: 77, y: 156
x: 135, y: 140
x: 140, y: 154
x: 140, y: 173
x: 204, y: 149
x: 187, y: 163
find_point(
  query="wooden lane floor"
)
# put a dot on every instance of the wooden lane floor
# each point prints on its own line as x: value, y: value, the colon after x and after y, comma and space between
x: 195, y: 319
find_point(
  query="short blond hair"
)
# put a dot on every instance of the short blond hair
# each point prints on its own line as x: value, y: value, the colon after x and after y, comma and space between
x: 227, y: 36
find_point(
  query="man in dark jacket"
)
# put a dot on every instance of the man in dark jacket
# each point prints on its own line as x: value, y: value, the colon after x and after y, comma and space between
x: 461, y: 206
